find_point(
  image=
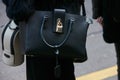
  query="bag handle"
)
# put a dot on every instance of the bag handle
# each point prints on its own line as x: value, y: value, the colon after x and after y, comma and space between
x: 62, y: 42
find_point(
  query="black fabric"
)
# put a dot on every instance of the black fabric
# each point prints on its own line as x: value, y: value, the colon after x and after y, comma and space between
x: 106, y: 6
x: 74, y: 46
x: 109, y: 10
x: 111, y: 28
x: 39, y: 68
x: 97, y: 8
x: 116, y: 10
x: 117, y: 48
x: 19, y: 10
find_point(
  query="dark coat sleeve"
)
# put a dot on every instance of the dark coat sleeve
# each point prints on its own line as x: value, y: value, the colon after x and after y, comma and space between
x: 18, y: 10
x: 97, y: 8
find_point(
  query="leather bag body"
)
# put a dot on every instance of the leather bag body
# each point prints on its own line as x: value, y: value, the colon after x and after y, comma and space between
x: 39, y: 35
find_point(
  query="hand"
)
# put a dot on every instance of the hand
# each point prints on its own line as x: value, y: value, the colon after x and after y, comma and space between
x: 100, y: 20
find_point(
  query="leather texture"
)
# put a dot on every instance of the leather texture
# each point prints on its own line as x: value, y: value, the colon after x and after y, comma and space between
x: 70, y: 44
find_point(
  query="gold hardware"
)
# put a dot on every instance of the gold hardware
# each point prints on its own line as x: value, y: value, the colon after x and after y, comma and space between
x: 59, y: 26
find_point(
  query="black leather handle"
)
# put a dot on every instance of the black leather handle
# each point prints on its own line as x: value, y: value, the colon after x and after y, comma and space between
x: 62, y: 42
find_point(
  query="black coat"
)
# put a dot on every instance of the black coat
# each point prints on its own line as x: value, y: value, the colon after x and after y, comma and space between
x: 106, y: 7
x: 97, y: 8
x: 110, y: 12
x: 19, y: 10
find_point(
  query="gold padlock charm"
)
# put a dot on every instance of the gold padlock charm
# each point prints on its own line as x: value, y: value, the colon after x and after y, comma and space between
x: 59, y: 26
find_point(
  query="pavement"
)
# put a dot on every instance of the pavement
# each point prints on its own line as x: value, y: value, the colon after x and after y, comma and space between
x: 100, y: 54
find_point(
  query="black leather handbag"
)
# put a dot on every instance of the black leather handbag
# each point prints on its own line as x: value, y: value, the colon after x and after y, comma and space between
x: 56, y: 33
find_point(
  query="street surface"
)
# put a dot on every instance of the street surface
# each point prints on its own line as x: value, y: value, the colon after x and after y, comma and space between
x: 101, y: 63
